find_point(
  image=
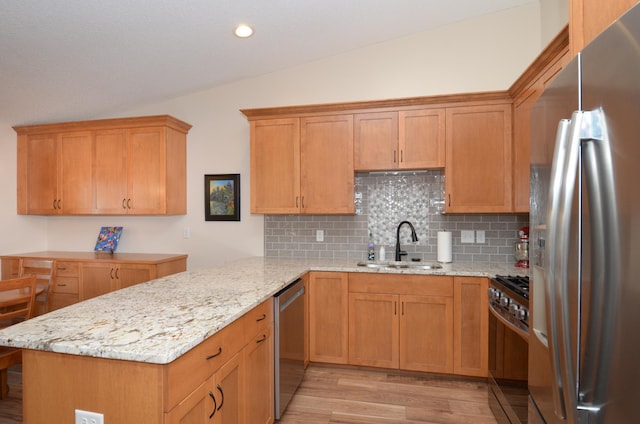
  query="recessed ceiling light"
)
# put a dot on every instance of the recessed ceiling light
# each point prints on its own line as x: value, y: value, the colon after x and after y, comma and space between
x: 243, y: 31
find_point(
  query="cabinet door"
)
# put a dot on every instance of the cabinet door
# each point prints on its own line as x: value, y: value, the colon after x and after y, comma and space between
x: 259, y: 397
x: 376, y: 141
x: 373, y: 330
x: 421, y: 139
x: 75, y: 173
x: 195, y: 408
x: 96, y: 279
x: 328, y: 317
x: 275, y: 166
x: 426, y: 337
x: 228, y: 391
x: 478, y: 159
x: 42, y: 174
x: 471, y: 326
x: 128, y: 274
x: 522, y: 132
x: 110, y: 172
x: 326, y: 164
x: 147, y: 171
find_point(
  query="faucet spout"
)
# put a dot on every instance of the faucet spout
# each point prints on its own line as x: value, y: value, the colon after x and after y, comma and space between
x: 414, y: 237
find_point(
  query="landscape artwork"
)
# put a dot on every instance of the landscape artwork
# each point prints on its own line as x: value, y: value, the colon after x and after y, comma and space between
x: 222, y: 197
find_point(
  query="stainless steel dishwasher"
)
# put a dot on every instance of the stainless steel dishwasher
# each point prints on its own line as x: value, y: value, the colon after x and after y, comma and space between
x: 288, y: 343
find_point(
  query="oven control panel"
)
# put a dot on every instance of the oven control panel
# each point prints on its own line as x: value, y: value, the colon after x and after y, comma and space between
x: 509, y: 308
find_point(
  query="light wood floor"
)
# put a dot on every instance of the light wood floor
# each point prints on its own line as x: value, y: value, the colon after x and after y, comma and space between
x: 347, y: 395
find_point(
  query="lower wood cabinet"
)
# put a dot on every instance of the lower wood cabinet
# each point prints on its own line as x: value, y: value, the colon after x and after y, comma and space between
x: 328, y: 317
x: 471, y: 326
x: 226, y: 379
x: 412, y: 322
x: 241, y: 389
x: 83, y: 275
x: 401, y: 321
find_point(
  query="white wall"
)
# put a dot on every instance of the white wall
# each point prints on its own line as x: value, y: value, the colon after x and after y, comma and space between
x: 483, y: 54
x: 554, y: 15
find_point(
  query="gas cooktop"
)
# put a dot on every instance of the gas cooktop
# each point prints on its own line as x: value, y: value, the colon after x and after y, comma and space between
x: 517, y: 284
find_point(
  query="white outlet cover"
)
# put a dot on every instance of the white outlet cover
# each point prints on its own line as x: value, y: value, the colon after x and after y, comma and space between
x: 319, y: 235
x: 86, y: 417
x: 467, y: 236
x: 480, y: 236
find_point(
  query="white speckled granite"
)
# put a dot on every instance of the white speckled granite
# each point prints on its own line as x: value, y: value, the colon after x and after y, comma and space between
x: 158, y: 321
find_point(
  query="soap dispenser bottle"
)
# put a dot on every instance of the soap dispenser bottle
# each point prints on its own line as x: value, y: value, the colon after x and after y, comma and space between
x: 371, y: 254
x: 382, y: 254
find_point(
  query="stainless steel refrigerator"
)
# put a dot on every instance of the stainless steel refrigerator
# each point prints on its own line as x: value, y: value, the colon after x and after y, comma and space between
x: 584, y: 351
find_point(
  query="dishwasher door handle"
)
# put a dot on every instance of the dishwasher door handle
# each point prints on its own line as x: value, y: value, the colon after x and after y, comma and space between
x: 292, y: 299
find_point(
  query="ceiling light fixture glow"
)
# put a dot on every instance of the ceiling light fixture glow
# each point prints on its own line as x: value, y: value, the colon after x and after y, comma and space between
x: 243, y: 31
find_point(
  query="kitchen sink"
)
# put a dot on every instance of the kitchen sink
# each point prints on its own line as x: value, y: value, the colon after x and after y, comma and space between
x: 399, y: 265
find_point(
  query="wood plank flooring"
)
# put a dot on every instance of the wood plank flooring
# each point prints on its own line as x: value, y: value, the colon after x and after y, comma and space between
x: 348, y: 395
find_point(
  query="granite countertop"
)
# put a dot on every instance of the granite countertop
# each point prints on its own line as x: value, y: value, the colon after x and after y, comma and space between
x: 160, y: 320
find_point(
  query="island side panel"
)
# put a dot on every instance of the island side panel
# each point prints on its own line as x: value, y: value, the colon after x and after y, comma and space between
x: 55, y: 385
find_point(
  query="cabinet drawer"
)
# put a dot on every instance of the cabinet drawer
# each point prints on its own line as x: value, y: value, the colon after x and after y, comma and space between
x: 258, y: 318
x: 420, y: 285
x: 67, y: 269
x: 66, y: 285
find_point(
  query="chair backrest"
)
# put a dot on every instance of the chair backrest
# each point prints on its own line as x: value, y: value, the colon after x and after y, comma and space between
x: 17, y: 299
x: 43, y: 269
x: 45, y: 273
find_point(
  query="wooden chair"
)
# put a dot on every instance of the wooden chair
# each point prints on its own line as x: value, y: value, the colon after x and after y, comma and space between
x: 17, y: 303
x: 45, y: 272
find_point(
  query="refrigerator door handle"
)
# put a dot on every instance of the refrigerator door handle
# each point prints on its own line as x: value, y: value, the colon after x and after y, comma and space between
x: 558, y: 171
x: 597, y: 342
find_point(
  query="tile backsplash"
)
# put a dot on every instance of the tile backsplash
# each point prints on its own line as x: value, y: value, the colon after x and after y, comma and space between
x: 382, y: 201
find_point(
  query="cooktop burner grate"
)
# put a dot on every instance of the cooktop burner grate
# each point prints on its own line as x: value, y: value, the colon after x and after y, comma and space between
x: 517, y: 284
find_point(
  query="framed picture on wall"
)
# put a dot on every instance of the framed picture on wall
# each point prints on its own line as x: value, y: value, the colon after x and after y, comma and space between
x: 222, y: 197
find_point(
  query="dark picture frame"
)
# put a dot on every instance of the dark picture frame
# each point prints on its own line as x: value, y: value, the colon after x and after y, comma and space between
x: 222, y: 197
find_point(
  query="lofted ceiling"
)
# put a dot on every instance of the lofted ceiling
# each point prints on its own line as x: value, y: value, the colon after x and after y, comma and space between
x: 77, y: 59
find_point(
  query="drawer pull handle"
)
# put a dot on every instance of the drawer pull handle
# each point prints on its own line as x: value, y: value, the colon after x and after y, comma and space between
x: 214, y: 404
x: 215, y: 354
x: 60, y: 268
x: 124, y: 206
x: 62, y: 285
x: 111, y: 273
x: 222, y: 394
x: 261, y: 339
x: 261, y: 318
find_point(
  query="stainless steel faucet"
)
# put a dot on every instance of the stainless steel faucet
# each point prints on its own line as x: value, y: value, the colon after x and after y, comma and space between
x: 414, y: 238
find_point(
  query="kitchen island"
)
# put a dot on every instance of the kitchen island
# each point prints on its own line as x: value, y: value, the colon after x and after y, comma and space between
x: 127, y: 353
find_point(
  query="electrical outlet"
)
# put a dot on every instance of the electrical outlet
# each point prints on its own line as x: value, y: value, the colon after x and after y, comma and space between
x: 467, y: 236
x: 319, y: 235
x: 86, y: 417
x: 186, y: 232
x: 480, y: 236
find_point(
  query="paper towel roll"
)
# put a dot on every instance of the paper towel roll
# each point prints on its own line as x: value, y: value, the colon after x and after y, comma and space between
x: 444, y: 246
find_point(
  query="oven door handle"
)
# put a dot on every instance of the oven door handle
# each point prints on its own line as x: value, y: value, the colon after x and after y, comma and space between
x: 520, y: 332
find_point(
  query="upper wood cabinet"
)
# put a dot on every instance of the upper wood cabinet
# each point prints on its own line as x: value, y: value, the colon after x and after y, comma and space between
x: 103, y: 167
x: 588, y: 18
x: 58, y: 170
x: 302, y: 165
x: 525, y: 92
x: 479, y: 158
x: 408, y: 139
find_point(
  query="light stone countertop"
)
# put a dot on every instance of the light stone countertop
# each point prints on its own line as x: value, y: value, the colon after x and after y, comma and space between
x: 160, y: 320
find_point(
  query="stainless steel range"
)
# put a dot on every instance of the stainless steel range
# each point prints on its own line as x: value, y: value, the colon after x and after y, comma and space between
x: 508, y: 348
